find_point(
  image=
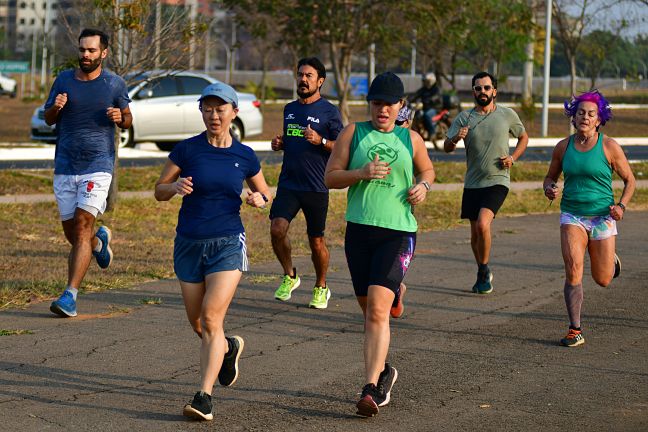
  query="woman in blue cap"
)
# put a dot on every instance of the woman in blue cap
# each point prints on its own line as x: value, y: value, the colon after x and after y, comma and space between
x: 378, y: 162
x: 209, y: 253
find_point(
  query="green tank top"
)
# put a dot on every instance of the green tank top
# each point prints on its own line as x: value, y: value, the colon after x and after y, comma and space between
x: 382, y: 202
x: 588, y: 181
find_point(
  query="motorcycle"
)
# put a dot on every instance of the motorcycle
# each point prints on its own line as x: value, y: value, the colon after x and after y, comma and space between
x: 442, y: 120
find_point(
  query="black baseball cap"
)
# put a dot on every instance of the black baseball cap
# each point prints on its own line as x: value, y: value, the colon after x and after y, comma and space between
x: 386, y: 87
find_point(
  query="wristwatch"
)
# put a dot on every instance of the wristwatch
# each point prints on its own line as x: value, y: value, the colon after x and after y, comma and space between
x: 620, y: 204
x: 324, y: 141
x: 426, y: 185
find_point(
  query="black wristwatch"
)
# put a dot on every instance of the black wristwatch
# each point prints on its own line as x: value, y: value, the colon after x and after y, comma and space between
x: 620, y: 204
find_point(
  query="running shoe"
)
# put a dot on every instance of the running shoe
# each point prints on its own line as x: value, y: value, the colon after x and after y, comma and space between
x: 288, y: 285
x: 386, y: 381
x: 321, y: 296
x: 369, y: 401
x: 105, y: 255
x: 65, y: 305
x: 397, y: 311
x: 484, y: 285
x: 229, y: 370
x: 617, y: 266
x: 573, y: 338
x: 200, y: 407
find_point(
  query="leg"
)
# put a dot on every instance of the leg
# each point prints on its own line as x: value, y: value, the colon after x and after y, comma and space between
x: 219, y: 291
x: 602, y: 259
x: 81, y: 233
x: 281, y: 244
x: 193, y: 295
x: 377, y: 333
x: 573, y: 241
x: 320, y: 257
x: 480, y: 235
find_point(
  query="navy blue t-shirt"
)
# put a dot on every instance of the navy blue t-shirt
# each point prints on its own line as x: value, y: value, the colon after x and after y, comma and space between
x: 86, y: 137
x: 213, y: 208
x: 304, y: 163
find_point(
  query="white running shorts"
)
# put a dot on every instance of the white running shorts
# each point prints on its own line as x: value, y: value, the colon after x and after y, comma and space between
x: 87, y: 192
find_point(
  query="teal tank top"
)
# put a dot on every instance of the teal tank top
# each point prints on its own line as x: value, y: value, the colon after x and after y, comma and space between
x: 382, y: 202
x: 588, y: 181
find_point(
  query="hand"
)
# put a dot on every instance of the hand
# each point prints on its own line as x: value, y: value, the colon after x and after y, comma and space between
x: 60, y: 101
x: 376, y: 169
x: 183, y: 186
x: 255, y: 199
x: 311, y: 136
x: 277, y: 143
x: 616, y: 212
x: 114, y: 115
x: 416, y: 194
x: 551, y: 191
x: 506, y: 161
x: 463, y: 133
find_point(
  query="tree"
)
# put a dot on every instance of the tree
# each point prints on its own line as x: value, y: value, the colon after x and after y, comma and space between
x: 595, y: 48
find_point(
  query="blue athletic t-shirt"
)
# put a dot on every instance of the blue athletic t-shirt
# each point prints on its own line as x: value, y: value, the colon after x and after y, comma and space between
x: 304, y: 163
x: 213, y: 208
x: 86, y: 137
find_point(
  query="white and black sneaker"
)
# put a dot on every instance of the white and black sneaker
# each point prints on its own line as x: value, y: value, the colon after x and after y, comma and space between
x: 229, y: 370
x: 617, y: 266
x: 200, y: 407
x: 386, y: 381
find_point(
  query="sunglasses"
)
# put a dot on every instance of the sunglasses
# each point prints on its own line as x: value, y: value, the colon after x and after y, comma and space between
x: 479, y: 88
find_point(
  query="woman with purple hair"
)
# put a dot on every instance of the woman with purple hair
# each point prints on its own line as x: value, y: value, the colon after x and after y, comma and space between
x: 588, y: 213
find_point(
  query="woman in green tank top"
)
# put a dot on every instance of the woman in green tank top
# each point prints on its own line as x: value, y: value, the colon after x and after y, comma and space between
x: 387, y: 170
x: 588, y: 211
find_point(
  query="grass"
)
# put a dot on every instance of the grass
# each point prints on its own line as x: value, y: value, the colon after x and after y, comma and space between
x: 18, y: 332
x: 144, y: 232
x: 15, y: 182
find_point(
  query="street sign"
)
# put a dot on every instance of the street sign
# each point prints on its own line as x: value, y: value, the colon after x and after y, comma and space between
x: 8, y: 66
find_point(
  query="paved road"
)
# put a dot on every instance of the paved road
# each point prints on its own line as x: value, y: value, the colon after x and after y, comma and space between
x: 466, y: 362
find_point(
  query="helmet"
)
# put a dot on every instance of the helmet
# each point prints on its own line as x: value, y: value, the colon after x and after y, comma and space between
x: 429, y: 79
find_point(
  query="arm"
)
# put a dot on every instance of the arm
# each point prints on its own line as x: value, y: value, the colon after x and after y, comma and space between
x: 170, y: 183
x: 555, y: 168
x: 259, y: 194
x: 520, y: 147
x: 423, y: 169
x: 313, y: 137
x: 621, y: 166
x: 121, y: 117
x: 450, y: 144
x: 52, y: 113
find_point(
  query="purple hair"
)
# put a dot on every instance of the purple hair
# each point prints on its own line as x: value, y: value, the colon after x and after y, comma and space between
x: 604, y: 110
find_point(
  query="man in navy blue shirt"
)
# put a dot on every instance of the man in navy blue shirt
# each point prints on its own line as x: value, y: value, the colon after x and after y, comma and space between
x: 311, y: 126
x: 86, y: 104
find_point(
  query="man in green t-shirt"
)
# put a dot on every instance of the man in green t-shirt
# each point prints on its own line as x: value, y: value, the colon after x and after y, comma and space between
x: 485, y: 130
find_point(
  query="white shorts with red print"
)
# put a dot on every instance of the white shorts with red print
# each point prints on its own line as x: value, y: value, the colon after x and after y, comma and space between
x: 87, y: 192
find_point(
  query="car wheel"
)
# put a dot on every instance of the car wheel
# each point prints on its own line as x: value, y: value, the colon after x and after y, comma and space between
x: 126, y: 138
x: 165, y: 146
x: 237, y: 130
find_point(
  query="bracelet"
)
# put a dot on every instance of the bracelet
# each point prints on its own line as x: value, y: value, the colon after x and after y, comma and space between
x: 512, y: 160
x: 426, y: 185
x: 623, y: 207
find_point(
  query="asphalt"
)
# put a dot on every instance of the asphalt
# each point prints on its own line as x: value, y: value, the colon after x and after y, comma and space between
x: 465, y: 361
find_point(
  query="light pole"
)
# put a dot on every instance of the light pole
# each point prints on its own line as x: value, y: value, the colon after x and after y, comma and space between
x: 547, y: 69
x: 46, y: 28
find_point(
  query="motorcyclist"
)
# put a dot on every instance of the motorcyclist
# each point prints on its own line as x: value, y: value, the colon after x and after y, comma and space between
x: 430, y: 96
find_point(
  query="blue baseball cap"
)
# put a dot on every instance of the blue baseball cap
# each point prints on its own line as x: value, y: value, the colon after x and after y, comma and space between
x: 221, y: 91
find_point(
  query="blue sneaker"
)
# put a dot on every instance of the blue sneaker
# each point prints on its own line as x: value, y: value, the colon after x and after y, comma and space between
x: 104, y: 256
x: 65, y: 305
x: 484, y: 285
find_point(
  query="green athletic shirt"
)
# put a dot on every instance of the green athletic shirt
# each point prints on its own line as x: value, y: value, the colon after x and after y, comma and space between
x: 382, y: 202
x: 588, y: 181
x: 486, y: 142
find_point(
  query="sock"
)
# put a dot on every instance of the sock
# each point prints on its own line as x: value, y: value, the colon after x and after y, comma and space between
x: 73, y: 291
x: 574, y: 301
x: 294, y: 276
x: 482, y: 268
x: 574, y: 328
x: 99, y: 245
x: 230, y: 347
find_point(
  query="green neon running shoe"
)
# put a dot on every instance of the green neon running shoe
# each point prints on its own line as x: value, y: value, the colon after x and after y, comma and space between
x: 288, y: 285
x: 321, y: 296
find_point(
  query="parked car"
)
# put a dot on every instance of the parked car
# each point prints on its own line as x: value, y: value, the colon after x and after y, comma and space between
x: 165, y: 110
x: 7, y: 85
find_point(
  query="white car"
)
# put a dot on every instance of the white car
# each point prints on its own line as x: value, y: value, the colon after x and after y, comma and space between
x: 7, y: 85
x: 165, y: 111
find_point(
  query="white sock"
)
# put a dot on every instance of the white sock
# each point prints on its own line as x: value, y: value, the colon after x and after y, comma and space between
x: 99, y: 245
x: 74, y: 292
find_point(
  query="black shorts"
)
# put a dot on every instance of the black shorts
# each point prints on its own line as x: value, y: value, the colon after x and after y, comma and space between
x: 377, y: 256
x: 473, y: 200
x: 288, y: 202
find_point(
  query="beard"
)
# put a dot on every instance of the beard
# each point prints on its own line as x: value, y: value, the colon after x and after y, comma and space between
x: 90, y: 67
x: 484, y: 102
x: 304, y: 92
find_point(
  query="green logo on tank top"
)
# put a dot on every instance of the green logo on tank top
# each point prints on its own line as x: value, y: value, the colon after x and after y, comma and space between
x: 384, y: 152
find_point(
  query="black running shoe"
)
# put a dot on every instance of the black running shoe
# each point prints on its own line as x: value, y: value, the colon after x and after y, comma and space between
x: 200, y: 407
x: 386, y: 381
x: 617, y: 266
x: 229, y: 370
x: 369, y: 401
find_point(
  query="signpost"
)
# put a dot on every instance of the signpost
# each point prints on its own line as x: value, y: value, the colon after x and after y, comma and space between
x: 8, y: 66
